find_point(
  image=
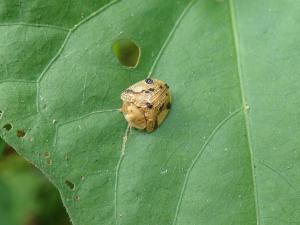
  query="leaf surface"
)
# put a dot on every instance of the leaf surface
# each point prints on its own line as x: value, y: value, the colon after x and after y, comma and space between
x: 226, y: 154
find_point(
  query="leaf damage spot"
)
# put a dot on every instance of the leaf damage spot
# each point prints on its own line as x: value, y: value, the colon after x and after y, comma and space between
x: 246, y: 108
x: 20, y: 133
x: 49, y: 161
x: 30, y: 139
x: 70, y: 185
x: 7, y: 127
x: 127, y: 52
x: 47, y: 154
x: 66, y: 157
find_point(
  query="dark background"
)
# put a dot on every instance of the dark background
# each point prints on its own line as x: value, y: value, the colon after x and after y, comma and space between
x: 26, y: 196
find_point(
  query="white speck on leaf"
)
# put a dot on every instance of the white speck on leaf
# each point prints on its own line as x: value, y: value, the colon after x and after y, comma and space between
x: 163, y: 172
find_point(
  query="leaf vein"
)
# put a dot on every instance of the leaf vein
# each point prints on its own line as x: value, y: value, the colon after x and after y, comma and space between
x: 278, y: 173
x: 47, y: 68
x: 125, y: 138
x: 198, y: 156
x: 77, y: 119
x: 245, y: 105
x: 35, y: 25
x: 17, y: 81
x: 169, y: 37
x: 64, y: 45
x: 93, y: 14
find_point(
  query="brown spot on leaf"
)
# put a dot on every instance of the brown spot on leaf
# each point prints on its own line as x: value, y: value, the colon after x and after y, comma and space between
x: 70, y: 185
x: 21, y: 133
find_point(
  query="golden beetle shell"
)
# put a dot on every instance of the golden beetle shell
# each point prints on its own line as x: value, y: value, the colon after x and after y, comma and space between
x: 146, y: 104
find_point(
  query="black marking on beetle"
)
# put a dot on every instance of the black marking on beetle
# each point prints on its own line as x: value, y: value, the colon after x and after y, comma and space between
x: 169, y: 105
x: 135, y: 92
x: 149, y: 105
x: 161, y: 87
x: 161, y: 108
x: 149, y: 81
x: 146, y: 92
x: 129, y: 91
x: 151, y: 89
x: 166, y: 85
x: 166, y: 94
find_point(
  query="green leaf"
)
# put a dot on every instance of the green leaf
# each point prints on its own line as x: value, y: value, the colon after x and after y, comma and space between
x: 226, y: 154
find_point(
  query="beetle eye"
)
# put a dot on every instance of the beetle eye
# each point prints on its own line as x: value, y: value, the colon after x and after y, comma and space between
x: 149, y: 81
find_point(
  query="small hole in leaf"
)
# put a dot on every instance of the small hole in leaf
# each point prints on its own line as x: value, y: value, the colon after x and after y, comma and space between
x: 7, y: 127
x: 127, y: 52
x: 49, y: 161
x: 66, y: 157
x: 70, y: 185
x: 20, y: 133
x: 47, y: 154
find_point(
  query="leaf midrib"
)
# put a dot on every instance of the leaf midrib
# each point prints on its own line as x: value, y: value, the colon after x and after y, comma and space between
x: 244, y: 102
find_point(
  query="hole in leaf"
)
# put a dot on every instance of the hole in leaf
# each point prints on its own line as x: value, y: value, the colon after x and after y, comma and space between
x: 49, y: 161
x: 1, y: 113
x: 20, y: 133
x: 127, y: 52
x: 70, y: 185
x: 47, y: 154
x: 7, y: 127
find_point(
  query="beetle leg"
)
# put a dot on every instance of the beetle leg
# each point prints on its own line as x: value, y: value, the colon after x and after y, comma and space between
x: 151, y: 125
x: 151, y: 121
